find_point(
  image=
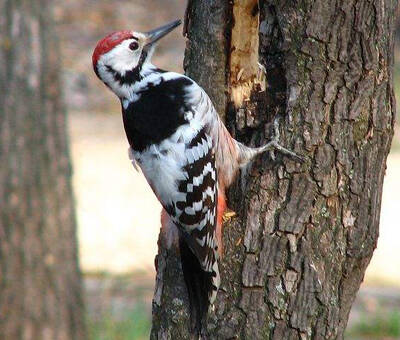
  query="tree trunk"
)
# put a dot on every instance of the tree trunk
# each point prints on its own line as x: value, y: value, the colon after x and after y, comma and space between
x: 40, y: 285
x: 296, y: 253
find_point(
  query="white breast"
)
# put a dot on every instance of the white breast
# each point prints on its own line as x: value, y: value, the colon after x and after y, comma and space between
x: 162, y: 164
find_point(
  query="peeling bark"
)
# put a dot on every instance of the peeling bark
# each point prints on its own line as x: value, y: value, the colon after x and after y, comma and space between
x: 40, y: 287
x: 297, y: 251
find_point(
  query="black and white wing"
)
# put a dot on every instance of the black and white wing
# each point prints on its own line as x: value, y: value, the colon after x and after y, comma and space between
x: 182, y: 173
x: 195, y: 214
x: 195, y: 210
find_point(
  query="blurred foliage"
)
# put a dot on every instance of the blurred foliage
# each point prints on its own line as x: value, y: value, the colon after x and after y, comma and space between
x: 379, y: 325
x: 135, y: 326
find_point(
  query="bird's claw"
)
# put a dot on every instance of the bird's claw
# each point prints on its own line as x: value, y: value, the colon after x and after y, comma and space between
x: 274, y: 145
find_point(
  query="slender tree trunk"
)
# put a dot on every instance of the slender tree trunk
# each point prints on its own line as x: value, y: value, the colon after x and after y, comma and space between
x: 40, y: 285
x: 296, y: 253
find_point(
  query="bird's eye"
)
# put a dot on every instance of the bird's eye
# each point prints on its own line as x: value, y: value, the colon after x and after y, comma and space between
x: 134, y: 45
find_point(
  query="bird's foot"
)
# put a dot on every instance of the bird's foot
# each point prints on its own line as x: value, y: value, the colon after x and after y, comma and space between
x: 274, y: 145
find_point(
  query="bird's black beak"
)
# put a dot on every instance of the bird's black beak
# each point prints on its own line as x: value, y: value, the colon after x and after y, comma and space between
x: 158, y: 33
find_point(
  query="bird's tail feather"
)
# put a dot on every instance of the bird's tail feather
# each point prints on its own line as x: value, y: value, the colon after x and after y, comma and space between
x: 199, y: 285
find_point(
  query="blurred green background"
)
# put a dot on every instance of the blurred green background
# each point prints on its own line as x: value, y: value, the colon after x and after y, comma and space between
x: 118, y: 216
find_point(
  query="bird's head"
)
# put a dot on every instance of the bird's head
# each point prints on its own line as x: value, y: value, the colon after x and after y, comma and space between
x: 120, y: 56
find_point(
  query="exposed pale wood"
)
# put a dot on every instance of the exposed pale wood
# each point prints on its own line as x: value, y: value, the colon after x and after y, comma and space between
x: 245, y: 75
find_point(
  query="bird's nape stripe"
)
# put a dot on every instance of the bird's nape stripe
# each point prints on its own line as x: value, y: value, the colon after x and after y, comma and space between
x: 130, y: 77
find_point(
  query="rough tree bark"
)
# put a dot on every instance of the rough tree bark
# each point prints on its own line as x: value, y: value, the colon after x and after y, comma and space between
x: 40, y: 285
x: 296, y: 253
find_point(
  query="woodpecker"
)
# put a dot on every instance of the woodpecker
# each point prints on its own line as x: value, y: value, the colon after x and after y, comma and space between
x: 183, y: 149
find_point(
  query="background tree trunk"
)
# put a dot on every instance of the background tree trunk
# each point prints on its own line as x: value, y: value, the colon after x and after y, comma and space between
x: 40, y: 285
x: 296, y: 253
